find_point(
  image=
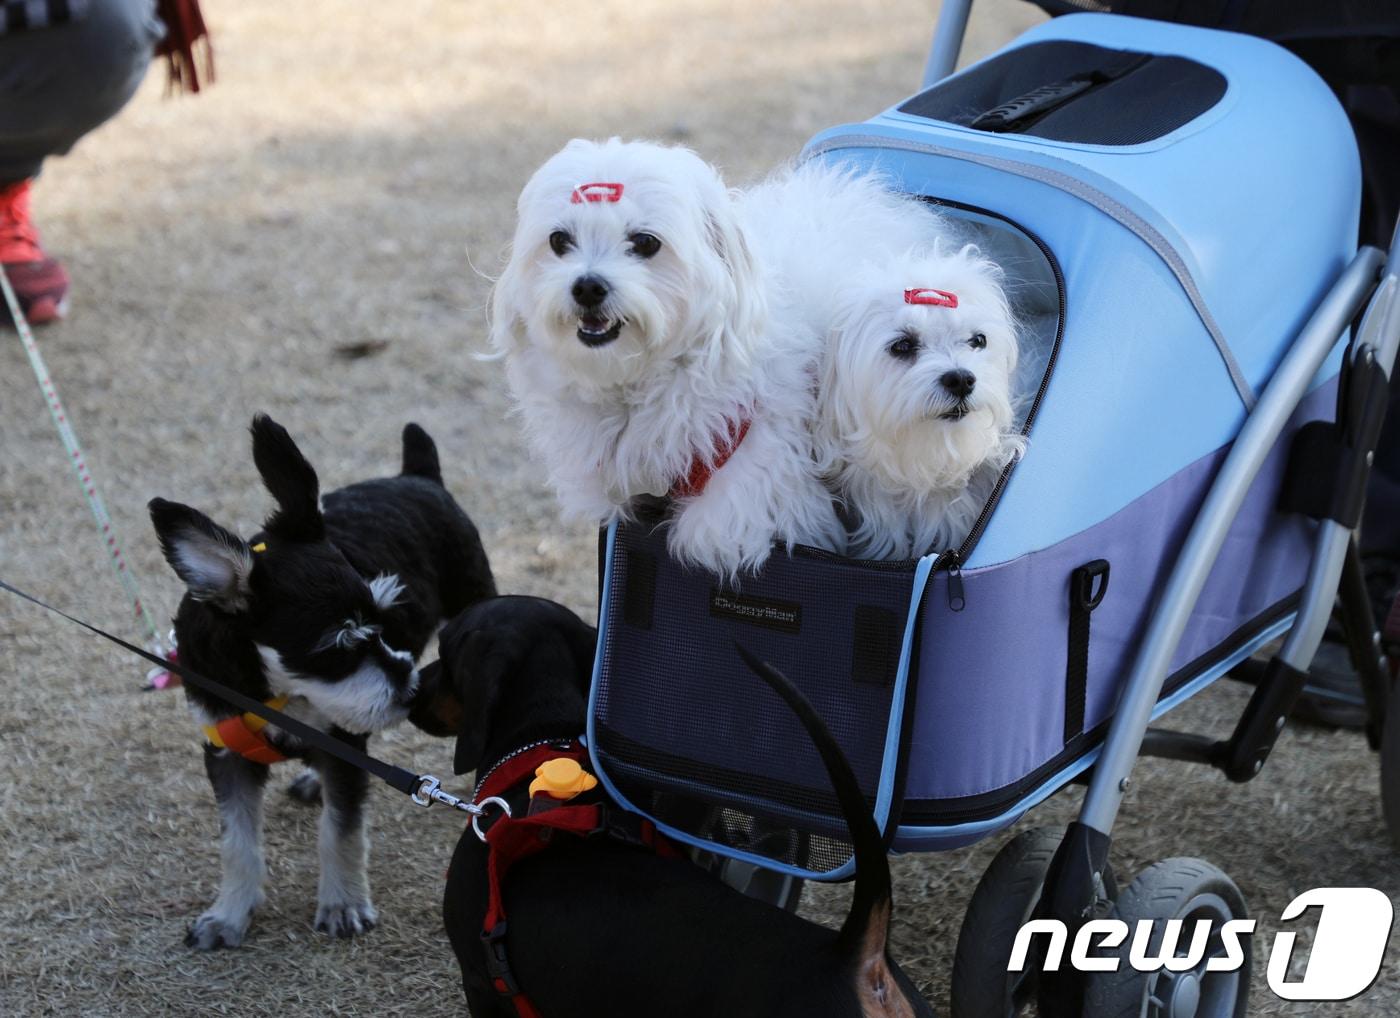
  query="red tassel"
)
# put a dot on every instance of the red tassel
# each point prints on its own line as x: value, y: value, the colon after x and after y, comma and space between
x: 185, y: 35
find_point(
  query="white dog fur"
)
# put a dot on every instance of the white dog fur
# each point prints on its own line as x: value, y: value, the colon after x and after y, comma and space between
x: 621, y: 399
x: 811, y: 225
x: 912, y: 463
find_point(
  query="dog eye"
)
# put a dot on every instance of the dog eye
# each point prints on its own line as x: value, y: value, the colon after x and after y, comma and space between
x: 644, y: 245
x: 978, y: 341
x: 905, y: 347
x: 560, y: 241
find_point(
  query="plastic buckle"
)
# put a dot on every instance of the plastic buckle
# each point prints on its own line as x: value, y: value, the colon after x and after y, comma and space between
x: 497, y: 967
x: 626, y: 827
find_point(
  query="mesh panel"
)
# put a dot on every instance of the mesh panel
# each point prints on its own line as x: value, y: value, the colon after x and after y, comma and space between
x: 689, y: 735
x: 1154, y: 97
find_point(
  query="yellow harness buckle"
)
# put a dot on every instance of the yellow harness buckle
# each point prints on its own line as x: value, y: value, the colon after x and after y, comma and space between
x: 561, y: 778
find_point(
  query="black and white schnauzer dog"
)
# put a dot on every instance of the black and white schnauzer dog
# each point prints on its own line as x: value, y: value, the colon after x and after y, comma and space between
x: 323, y: 614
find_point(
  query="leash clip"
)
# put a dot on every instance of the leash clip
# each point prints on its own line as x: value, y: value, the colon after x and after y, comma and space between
x: 429, y: 791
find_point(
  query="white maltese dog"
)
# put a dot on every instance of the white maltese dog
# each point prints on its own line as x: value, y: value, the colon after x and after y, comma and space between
x: 917, y: 405
x: 639, y: 344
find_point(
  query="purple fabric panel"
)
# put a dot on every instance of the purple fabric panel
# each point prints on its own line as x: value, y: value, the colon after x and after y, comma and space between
x: 1245, y: 581
x: 991, y: 696
x: 678, y: 686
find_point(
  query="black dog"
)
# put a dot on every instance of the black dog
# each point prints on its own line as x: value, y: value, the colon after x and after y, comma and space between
x: 323, y: 613
x: 600, y: 928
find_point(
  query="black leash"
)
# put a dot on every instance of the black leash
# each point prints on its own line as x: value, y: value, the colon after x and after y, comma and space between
x: 424, y: 789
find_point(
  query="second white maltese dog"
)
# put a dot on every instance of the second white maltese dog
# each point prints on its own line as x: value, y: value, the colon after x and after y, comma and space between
x: 639, y: 344
x: 918, y: 410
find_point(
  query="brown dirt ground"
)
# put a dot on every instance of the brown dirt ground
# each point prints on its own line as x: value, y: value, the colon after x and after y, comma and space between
x: 338, y: 186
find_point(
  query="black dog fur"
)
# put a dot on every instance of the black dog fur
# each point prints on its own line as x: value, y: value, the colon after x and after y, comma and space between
x: 599, y: 929
x: 332, y: 602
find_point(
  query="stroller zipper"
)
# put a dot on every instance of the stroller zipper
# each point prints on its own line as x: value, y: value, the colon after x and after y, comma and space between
x: 957, y: 599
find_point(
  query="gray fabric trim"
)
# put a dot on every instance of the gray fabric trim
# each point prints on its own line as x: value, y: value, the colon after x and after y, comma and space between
x: 1109, y: 206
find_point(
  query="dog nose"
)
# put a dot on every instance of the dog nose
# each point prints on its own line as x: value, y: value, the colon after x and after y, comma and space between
x: 959, y: 382
x: 589, y: 291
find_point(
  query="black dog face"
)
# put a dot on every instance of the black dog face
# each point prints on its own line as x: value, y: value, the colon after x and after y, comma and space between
x: 316, y: 623
x: 506, y: 665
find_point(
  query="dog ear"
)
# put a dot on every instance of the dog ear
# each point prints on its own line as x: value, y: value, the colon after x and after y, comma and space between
x: 726, y: 237
x: 290, y: 479
x: 507, y: 325
x: 479, y: 665
x: 214, y: 563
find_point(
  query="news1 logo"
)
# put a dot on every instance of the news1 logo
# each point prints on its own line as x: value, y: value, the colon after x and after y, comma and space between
x: 1353, y: 927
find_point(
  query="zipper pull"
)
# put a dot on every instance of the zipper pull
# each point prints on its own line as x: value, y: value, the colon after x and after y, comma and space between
x: 957, y: 601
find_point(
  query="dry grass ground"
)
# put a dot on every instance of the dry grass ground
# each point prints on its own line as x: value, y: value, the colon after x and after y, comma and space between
x: 334, y: 188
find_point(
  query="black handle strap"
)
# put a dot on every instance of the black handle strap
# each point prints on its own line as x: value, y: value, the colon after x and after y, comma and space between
x: 1025, y: 109
x: 396, y: 777
x: 1084, y: 597
x: 1329, y: 463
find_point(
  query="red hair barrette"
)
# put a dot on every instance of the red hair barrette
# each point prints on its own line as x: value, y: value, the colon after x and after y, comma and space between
x: 925, y: 295
x: 596, y: 193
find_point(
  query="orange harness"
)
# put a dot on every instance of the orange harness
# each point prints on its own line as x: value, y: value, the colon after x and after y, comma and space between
x: 243, y: 734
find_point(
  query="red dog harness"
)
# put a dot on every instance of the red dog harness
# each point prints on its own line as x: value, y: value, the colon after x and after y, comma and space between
x: 700, y: 472
x: 512, y: 838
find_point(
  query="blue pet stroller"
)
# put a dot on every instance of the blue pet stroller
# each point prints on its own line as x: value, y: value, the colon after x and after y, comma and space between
x: 1178, y: 208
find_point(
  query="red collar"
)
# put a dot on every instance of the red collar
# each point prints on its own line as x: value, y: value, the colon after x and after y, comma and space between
x: 700, y: 472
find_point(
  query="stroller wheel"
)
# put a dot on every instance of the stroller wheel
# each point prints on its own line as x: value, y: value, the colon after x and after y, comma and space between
x: 1005, y: 897
x: 1188, y: 889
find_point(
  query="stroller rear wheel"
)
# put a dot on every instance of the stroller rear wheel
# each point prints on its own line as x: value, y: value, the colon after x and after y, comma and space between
x: 1188, y: 889
x: 1004, y: 900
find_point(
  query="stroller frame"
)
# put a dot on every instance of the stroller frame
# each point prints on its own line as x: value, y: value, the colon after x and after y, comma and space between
x: 1369, y: 287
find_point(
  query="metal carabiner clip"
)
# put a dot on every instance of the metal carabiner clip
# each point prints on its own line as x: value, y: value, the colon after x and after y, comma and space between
x: 477, y: 811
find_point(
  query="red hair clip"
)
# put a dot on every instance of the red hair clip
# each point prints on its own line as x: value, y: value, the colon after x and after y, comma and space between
x: 596, y: 192
x: 924, y: 295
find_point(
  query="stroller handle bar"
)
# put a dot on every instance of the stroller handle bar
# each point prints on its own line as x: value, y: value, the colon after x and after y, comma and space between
x: 947, y: 40
x: 1379, y: 330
